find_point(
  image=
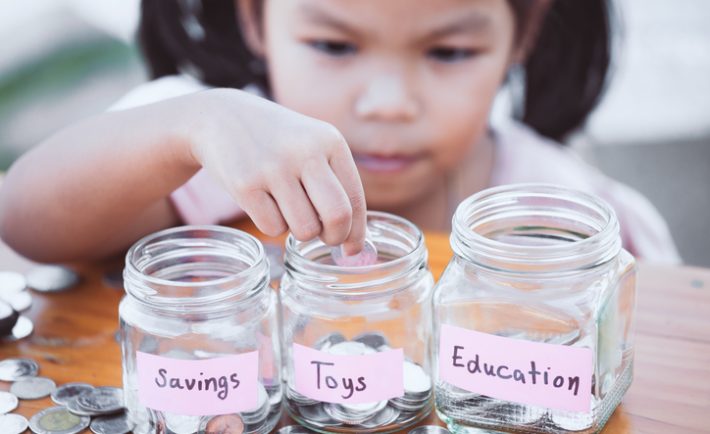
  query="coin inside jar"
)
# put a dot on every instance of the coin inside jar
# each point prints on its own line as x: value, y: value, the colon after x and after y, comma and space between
x: 115, y: 424
x: 430, y: 429
x: 223, y: 424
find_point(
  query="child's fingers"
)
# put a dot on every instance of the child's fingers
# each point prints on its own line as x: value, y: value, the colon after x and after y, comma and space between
x: 260, y: 206
x: 345, y: 170
x: 330, y: 201
x: 296, y: 208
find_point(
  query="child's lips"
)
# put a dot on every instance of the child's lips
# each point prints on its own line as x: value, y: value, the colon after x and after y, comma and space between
x: 385, y: 164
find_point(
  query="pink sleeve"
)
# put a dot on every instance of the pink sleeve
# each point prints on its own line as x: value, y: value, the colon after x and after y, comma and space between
x: 203, y: 201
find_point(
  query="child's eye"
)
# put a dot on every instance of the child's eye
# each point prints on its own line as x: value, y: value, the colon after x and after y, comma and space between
x: 450, y: 54
x: 333, y: 48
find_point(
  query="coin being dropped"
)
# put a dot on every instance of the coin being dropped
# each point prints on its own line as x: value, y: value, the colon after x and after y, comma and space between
x: 430, y: 429
x: 223, y: 424
x: 67, y: 392
x: 367, y: 256
x: 13, y: 424
x: 116, y: 424
x: 22, y: 329
x: 32, y: 387
x: 8, y: 402
x: 13, y: 369
x: 51, y: 278
x: 58, y: 420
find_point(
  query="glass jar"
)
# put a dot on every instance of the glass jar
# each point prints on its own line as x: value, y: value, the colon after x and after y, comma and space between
x: 534, y: 314
x: 198, y: 333
x: 356, y: 338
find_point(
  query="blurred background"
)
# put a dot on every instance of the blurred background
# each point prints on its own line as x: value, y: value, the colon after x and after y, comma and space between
x: 62, y: 60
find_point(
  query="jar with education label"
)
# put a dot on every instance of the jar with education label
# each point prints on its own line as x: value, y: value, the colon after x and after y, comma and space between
x: 534, y: 314
x: 198, y: 333
x: 357, y: 331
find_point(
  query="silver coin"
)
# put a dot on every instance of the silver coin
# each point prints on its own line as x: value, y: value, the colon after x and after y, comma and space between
x: 74, y: 407
x: 181, y: 424
x: 13, y: 424
x: 101, y: 400
x: 294, y: 429
x: 354, y: 414
x: 372, y: 339
x: 430, y: 429
x: 8, y: 402
x: 384, y: 417
x: 261, y: 412
x: 11, y: 283
x: 300, y: 399
x: 32, y: 387
x: 350, y: 348
x: 58, y: 420
x: 12, y: 369
x: 23, y: 328
x: 327, y: 341
x: 116, y: 424
x: 51, y: 278
x: 416, y: 380
x: 67, y: 392
x: 315, y: 414
x: 20, y: 301
x: 275, y: 256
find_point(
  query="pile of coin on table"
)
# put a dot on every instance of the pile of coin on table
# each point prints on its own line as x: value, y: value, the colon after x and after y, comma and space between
x: 16, y: 299
x: 417, y: 390
x: 79, y: 405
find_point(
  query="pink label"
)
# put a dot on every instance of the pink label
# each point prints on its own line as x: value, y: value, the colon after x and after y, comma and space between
x: 546, y: 375
x: 204, y: 387
x: 348, y: 379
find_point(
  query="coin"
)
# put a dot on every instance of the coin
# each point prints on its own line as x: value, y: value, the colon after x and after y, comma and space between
x: 67, y: 392
x: 58, y: 420
x: 20, y: 300
x: 8, y: 318
x: 350, y: 348
x: 12, y: 369
x: 223, y: 424
x: 22, y: 329
x: 430, y: 429
x: 372, y: 339
x: 32, y: 387
x: 116, y: 424
x: 327, y: 341
x: 51, y: 278
x: 316, y: 414
x: 261, y: 412
x: 275, y: 256
x: 74, y: 407
x: 8, y: 402
x: 382, y: 418
x: 11, y: 283
x: 101, y: 400
x: 367, y: 256
x: 13, y: 424
x: 416, y: 380
x: 294, y: 429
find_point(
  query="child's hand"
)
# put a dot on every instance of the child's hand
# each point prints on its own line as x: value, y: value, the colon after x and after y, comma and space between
x: 284, y: 169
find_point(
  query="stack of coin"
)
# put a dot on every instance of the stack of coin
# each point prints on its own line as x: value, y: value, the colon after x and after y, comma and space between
x: 79, y: 405
x: 425, y: 429
x: 396, y: 411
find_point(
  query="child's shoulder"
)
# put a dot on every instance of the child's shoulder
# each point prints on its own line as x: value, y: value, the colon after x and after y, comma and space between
x: 522, y: 155
x: 163, y: 88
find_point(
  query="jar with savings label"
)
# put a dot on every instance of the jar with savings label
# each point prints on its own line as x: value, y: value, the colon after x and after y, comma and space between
x: 198, y: 333
x: 534, y: 314
x: 356, y: 333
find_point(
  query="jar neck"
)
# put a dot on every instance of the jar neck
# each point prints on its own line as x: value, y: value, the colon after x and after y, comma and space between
x: 196, y: 269
x: 401, y: 257
x: 535, y: 229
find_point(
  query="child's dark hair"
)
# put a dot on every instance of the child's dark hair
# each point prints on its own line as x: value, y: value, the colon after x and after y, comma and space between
x: 565, y: 72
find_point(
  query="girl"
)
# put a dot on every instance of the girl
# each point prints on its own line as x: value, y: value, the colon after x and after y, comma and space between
x: 393, y: 96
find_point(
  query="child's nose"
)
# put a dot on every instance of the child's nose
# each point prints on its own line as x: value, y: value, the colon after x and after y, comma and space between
x: 387, y: 98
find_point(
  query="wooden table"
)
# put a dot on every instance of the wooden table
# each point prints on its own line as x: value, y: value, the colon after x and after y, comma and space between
x: 74, y: 341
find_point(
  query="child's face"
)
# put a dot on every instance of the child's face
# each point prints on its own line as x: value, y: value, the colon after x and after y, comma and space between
x: 409, y: 83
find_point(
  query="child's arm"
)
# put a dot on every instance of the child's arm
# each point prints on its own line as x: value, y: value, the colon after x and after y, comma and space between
x: 95, y: 187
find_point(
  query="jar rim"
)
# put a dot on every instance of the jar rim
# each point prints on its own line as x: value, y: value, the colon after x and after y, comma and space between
x: 317, y: 271
x: 591, y: 251
x: 134, y: 274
